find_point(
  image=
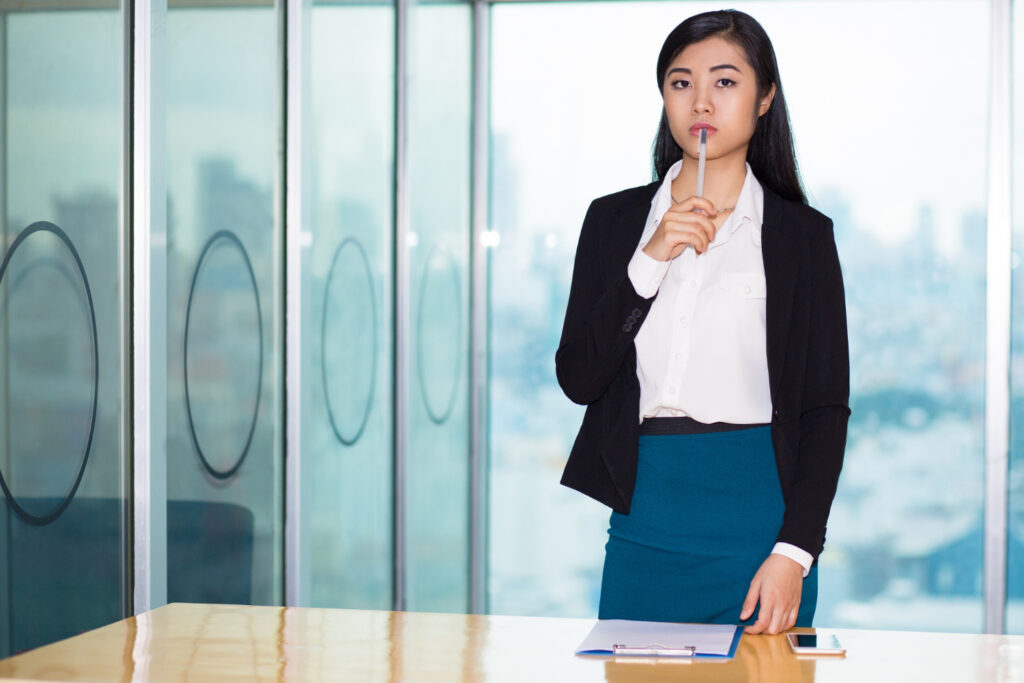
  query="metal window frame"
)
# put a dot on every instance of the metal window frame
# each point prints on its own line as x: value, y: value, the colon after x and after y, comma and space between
x: 480, y: 306
x: 998, y: 284
x: 124, y: 260
x: 6, y: 587
x: 296, y: 568
x: 400, y: 304
x: 148, y: 304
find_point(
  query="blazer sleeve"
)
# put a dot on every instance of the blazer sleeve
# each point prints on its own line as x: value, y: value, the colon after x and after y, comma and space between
x: 604, y: 312
x: 825, y: 403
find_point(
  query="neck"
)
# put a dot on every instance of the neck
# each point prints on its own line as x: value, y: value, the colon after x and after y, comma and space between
x: 723, y: 179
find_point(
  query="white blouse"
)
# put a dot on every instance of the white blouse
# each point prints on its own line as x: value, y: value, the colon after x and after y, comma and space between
x: 701, y: 350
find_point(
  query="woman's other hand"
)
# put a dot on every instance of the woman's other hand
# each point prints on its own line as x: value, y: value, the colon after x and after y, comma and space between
x: 777, y: 585
x: 683, y: 226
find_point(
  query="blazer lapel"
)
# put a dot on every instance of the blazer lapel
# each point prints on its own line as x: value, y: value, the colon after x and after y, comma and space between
x: 780, y: 274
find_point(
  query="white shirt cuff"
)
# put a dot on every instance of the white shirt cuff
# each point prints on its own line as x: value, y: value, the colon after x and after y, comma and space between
x: 646, y: 273
x: 801, y: 557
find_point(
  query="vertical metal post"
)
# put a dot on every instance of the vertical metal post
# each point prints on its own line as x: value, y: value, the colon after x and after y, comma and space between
x: 479, y: 299
x: 997, y: 365
x: 124, y: 280
x: 5, y: 235
x: 401, y: 298
x: 6, y: 589
x: 296, y: 565
x: 149, y: 304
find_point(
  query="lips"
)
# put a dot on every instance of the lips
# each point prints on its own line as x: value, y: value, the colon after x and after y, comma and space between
x: 696, y: 128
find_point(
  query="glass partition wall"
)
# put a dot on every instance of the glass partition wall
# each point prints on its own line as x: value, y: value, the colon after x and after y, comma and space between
x: 62, y: 469
x: 224, y: 317
x: 361, y: 123
x: 347, y: 327
x: 437, y: 408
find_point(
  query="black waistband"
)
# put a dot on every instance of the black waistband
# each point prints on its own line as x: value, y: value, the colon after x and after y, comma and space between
x: 662, y: 426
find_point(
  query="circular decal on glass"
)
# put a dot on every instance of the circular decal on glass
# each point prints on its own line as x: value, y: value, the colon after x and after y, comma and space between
x: 439, y: 332
x: 220, y: 392
x: 351, y: 310
x: 40, y: 519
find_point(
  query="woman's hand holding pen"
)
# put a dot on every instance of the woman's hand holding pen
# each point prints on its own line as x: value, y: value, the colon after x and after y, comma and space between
x: 777, y: 586
x: 686, y: 224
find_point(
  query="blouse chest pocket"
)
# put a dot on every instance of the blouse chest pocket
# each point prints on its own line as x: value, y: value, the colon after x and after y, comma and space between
x: 744, y: 285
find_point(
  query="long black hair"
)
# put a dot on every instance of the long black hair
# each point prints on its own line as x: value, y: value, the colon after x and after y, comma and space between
x: 770, y: 153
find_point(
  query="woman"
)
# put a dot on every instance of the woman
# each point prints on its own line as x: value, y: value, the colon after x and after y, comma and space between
x: 707, y: 338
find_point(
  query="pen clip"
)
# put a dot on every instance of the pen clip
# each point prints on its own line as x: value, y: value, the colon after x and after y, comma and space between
x: 654, y: 649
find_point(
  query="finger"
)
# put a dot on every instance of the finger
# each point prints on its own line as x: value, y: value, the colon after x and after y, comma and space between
x: 705, y: 226
x: 769, y: 611
x: 680, y: 219
x: 750, y: 602
x: 692, y: 236
x: 692, y: 203
x: 678, y: 241
x: 701, y: 241
x: 791, y: 618
x: 696, y: 233
x: 778, y: 623
x: 761, y: 624
x: 677, y: 250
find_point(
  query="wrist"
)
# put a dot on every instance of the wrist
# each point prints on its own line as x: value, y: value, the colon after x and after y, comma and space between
x: 652, y: 251
x: 799, y: 556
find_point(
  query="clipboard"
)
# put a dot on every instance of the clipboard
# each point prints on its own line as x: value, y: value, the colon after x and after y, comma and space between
x: 626, y: 638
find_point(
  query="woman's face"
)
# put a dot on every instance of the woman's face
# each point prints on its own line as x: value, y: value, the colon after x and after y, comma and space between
x: 711, y: 85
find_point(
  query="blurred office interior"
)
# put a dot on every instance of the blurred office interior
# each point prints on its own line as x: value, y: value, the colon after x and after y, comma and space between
x: 282, y: 283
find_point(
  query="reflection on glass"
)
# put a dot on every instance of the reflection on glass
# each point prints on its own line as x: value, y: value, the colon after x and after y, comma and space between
x: 61, y: 553
x: 437, y: 459
x: 223, y: 324
x: 905, y: 536
x: 347, y: 331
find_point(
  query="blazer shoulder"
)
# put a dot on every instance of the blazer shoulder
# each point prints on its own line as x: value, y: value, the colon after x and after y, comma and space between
x: 804, y: 215
x: 812, y: 217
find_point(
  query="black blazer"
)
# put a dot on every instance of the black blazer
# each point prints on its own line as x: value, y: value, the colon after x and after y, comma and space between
x: 807, y: 348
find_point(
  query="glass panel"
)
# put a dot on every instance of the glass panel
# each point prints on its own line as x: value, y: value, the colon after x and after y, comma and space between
x: 1015, y: 520
x: 62, y: 563
x: 438, y: 460
x: 224, y: 440
x: 347, y: 330
x: 905, y: 536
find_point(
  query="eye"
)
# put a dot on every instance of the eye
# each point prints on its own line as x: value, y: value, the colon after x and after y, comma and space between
x: 726, y: 82
x: 680, y: 83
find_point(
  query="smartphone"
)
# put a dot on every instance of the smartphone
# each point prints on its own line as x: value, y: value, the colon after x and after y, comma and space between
x: 820, y: 643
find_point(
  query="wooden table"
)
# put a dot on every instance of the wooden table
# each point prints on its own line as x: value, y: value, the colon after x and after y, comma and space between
x: 221, y: 642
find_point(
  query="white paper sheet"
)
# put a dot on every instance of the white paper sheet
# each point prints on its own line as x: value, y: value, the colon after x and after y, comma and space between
x: 707, y: 639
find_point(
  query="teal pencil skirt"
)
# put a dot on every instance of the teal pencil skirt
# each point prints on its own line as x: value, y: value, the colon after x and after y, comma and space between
x: 705, y: 514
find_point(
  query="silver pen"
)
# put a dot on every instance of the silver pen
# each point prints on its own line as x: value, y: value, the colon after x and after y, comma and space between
x: 701, y: 158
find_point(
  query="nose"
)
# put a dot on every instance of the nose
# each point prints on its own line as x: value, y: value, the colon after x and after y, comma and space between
x: 701, y: 101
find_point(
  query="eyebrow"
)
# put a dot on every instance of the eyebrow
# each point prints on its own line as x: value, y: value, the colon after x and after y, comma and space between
x: 718, y: 67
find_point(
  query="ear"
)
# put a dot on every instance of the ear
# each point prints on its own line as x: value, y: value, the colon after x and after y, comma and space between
x: 766, y: 102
